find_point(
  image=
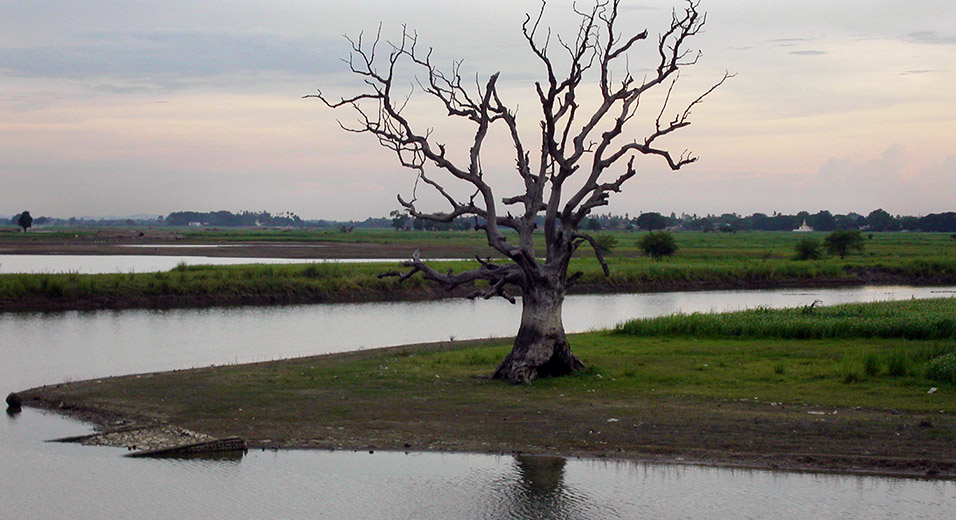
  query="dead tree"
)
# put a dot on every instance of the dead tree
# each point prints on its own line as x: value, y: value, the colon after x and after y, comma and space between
x: 590, y: 147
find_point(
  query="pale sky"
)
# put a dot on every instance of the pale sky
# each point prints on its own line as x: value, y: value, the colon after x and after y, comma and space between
x: 117, y: 108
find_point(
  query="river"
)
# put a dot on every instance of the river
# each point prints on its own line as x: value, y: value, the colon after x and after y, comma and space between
x: 42, y: 480
x: 111, y: 264
x: 54, y: 347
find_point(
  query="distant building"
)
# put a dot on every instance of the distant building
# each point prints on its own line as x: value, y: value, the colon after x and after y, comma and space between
x: 804, y: 228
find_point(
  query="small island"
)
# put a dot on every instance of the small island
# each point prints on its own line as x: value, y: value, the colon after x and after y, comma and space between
x: 852, y: 388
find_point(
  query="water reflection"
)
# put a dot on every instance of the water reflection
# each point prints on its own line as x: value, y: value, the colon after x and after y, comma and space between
x: 13, y: 404
x: 64, y: 481
x: 230, y: 457
x: 541, y: 476
x: 539, y: 489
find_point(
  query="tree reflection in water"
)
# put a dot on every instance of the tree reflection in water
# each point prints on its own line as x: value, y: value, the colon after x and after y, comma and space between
x: 539, y: 490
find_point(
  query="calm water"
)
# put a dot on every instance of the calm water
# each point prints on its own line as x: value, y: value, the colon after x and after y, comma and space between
x: 107, y: 264
x: 43, y: 348
x: 62, y: 481
x: 41, y: 480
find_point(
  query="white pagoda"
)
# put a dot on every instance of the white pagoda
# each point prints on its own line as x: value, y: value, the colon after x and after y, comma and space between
x: 804, y: 228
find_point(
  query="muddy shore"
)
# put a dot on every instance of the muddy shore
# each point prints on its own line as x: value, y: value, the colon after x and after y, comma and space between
x: 481, y: 416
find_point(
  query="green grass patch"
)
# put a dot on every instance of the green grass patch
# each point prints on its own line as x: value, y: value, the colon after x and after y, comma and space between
x: 891, y: 348
x: 620, y: 369
x: 929, y: 319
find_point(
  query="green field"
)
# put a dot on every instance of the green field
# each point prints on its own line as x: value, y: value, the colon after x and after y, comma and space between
x: 752, y: 245
x: 703, y: 261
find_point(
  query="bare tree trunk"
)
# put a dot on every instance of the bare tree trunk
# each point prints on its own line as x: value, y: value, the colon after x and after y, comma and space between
x: 541, y: 348
x: 584, y: 157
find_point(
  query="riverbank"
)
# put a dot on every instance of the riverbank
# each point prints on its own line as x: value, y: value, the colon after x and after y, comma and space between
x: 705, y: 261
x: 826, y: 404
x: 237, y: 285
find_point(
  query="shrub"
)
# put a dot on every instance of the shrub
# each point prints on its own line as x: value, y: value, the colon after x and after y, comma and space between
x: 942, y: 368
x: 897, y: 364
x: 657, y: 244
x: 945, y: 327
x: 605, y: 243
x: 848, y: 371
x: 807, y: 249
x: 843, y: 241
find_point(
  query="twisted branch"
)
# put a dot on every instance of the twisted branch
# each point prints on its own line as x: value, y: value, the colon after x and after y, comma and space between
x: 573, y: 143
x: 498, y: 276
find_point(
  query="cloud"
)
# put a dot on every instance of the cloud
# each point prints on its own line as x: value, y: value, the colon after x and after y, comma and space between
x: 636, y: 7
x: 808, y: 53
x: 790, y: 40
x: 930, y: 37
x: 170, y: 56
x: 892, y: 181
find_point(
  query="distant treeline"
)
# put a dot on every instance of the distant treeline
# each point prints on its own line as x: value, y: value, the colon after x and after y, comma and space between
x: 203, y: 219
x: 877, y: 220
x: 262, y: 219
x: 230, y: 219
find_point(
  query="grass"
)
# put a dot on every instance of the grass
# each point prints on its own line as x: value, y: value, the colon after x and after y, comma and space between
x: 788, y: 371
x: 318, y: 281
x: 820, y: 373
x: 352, y: 282
x: 910, y: 342
x: 933, y: 319
x: 692, y: 245
x: 704, y: 260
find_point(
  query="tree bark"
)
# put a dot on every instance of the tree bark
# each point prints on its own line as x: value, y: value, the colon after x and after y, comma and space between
x: 541, y: 347
x: 584, y: 157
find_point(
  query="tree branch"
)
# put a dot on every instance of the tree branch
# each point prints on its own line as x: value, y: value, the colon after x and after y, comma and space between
x: 498, y: 276
x: 587, y: 144
x: 580, y: 238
